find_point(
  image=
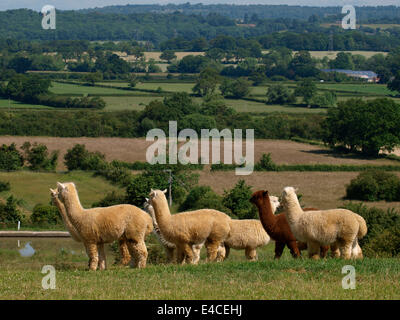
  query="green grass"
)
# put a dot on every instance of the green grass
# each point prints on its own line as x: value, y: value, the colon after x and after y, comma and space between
x: 235, y: 278
x: 129, y: 102
x: 76, y: 89
x: 33, y: 187
x: 371, y: 88
x: 6, y: 104
x: 171, y: 87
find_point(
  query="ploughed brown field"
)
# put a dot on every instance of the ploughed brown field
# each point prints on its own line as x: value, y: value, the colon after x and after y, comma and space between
x: 319, y: 189
x: 324, y: 190
x: 134, y: 149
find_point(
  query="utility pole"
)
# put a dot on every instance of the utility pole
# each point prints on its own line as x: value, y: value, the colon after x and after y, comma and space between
x: 170, y: 186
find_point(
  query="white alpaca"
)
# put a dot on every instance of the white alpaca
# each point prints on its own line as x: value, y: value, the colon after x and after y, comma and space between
x: 339, y: 228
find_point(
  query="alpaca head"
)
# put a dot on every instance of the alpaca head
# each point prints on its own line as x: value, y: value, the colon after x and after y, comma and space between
x: 289, y: 196
x: 65, y: 190
x: 262, y: 195
x: 157, y: 195
x: 274, y: 203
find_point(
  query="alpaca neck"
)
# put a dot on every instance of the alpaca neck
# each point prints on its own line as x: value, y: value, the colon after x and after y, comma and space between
x: 293, y: 209
x: 163, y: 217
x: 74, y: 210
x: 61, y: 208
x: 267, y: 217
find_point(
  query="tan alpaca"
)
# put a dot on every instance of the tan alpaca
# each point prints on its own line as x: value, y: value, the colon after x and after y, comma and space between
x: 125, y: 256
x: 338, y: 227
x: 98, y: 226
x: 186, y: 229
x: 248, y: 234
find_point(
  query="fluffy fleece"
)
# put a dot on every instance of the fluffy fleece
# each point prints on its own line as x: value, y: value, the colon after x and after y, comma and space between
x: 248, y: 235
x: 339, y: 228
x: 169, y: 247
x: 186, y: 229
x: 97, y: 226
x: 125, y: 256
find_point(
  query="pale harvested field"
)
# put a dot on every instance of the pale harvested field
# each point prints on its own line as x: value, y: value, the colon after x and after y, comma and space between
x: 134, y: 149
x: 179, y: 55
x: 323, y: 190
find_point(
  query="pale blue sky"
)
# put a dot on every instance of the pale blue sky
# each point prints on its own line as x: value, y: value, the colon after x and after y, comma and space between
x: 80, y: 4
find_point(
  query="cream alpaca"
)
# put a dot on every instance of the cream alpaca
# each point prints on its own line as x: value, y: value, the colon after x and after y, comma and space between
x: 75, y: 235
x: 338, y: 227
x: 97, y: 226
x: 249, y: 234
x: 190, y: 228
x: 169, y: 247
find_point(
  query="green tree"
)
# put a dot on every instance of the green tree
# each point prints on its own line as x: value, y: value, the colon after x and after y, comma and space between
x: 394, y: 84
x: 235, y: 88
x: 207, y: 82
x: 10, y: 158
x: 279, y: 94
x: 306, y: 89
x: 237, y: 200
x: 168, y: 55
x: 366, y: 126
x: 38, y: 157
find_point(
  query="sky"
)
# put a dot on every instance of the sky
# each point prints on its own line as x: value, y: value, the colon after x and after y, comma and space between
x: 81, y: 4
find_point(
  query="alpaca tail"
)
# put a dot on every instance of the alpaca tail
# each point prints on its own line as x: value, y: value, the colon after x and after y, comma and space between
x: 362, y: 231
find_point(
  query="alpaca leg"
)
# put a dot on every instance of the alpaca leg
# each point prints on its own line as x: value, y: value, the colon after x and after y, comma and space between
x: 324, y: 251
x: 279, y: 246
x: 138, y: 251
x: 313, y: 250
x: 335, y: 252
x: 356, y: 251
x: 170, y: 254
x: 188, y: 252
x: 227, y: 251
x: 180, y: 255
x: 345, y: 250
x: 221, y: 254
x: 124, y: 252
x: 102, y: 257
x: 196, y: 252
x: 212, y: 250
x: 91, y: 249
x: 294, y: 250
x: 251, y: 254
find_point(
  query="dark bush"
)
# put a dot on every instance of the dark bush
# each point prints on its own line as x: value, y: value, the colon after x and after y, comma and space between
x: 237, y: 200
x: 44, y: 215
x: 38, y: 157
x: 203, y: 197
x: 4, y: 186
x: 266, y: 163
x: 374, y: 185
x: 10, y: 158
x: 9, y: 213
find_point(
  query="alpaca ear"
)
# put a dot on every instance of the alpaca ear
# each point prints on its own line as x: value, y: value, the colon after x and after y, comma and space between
x: 296, y: 189
x: 61, y: 186
x: 165, y: 191
x: 147, y: 199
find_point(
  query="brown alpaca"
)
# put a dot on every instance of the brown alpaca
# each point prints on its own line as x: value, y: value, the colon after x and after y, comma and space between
x: 97, y: 226
x: 277, y: 226
x: 190, y: 228
x: 123, y: 247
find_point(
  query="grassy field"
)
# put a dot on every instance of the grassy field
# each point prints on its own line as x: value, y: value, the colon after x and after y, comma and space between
x: 129, y: 102
x: 6, y: 104
x: 75, y: 89
x: 33, y: 187
x: 233, y: 279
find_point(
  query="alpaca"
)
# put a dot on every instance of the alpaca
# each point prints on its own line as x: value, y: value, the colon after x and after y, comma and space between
x: 276, y: 226
x: 186, y: 229
x: 96, y: 226
x: 339, y: 228
x: 248, y: 235
x: 75, y: 235
x: 169, y: 247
